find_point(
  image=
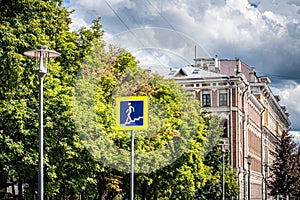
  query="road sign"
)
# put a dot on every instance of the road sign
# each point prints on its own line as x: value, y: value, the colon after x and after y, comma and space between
x: 132, y: 113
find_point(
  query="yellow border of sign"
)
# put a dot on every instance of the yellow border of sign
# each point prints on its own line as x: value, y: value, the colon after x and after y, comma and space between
x: 145, y: 114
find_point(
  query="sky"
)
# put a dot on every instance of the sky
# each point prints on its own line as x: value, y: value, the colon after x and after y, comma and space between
x: 263, y: 34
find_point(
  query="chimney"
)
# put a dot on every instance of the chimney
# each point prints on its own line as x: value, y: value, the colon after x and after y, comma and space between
x: 148, y: 70
x: 217, y: 64
x: 252, y: 77
x: 238, y: 66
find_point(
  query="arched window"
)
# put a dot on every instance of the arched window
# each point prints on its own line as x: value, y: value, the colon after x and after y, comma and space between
x: 225, y: 126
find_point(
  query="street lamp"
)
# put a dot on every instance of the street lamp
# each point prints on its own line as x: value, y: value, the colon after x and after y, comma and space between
x: 266, y: 177
x: 249, y: 183
x: 42, y: 54
x: 223, y: 173
x: 223, y: 169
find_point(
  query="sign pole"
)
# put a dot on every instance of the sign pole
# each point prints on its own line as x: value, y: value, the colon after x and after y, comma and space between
x: 132, y: 114
x: 132, y: 167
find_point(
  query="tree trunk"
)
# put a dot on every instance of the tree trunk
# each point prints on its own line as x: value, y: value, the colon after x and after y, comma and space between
x: 13, y: 189
x: 144, y: 191
x: 20, y: 190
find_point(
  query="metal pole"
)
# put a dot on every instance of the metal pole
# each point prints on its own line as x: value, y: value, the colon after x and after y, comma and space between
x: 223, y: 173
x: 41, y: 146
x: 230, y: 123
x: 132, y: 167
x: 266, y: 185
x: 249, y: 183
x: 41, y: 54
x: 245, y: 195
x: 266, y: 190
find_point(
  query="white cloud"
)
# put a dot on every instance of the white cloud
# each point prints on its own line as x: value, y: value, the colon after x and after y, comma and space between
x: 174, y: 45
x: 207, y: 22
x: 101, y: 6
x: 296, y: 135
x: 290, y: 97
x: 266, y: 36
x: 79, y: 22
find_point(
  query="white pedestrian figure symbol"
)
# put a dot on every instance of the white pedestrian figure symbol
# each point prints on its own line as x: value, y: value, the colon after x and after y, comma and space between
x: 129, y: 110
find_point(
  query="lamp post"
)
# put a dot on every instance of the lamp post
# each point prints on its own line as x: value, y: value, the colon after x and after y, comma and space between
x: 223, y: 173
x: 41, y: 54
x: 249, y: 182
x: 266, y: 177
x: 223, y: 168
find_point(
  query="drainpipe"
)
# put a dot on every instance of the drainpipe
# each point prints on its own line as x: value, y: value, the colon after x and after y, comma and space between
x: 266, y: 167
x: 238, y: 72
x: 262, y: 156
x: 244, y: 153
x: 230, y: 122
x: 239, y: 138
x: 244, y: 137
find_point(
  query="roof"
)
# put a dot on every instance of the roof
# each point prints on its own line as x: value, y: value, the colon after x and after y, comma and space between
x: 229, y: 67
x: 193, y: 72
x: 184, y: 72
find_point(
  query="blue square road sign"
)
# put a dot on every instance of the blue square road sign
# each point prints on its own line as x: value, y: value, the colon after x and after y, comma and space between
x: 132, y: 113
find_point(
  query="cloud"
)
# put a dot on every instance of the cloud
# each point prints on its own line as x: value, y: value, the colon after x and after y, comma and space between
x: 296, y: 135
x: 265, y: 36
x: 176, y: 47
x: 101, y: 6
x: 211, y: 23
x: 290, y: 98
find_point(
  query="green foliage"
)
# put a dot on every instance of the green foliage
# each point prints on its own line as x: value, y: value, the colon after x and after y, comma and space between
x: 213, y: 159
x: 296, y: 171
x: 284, y: 175
x: 171, y: 153
x: 24, y: 26
x: 213, y: 188
x: 174, y: 122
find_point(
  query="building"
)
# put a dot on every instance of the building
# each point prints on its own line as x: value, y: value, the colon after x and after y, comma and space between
x: 252, y: 115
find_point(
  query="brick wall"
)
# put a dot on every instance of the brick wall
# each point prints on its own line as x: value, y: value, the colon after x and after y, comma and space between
x: 214, y: 98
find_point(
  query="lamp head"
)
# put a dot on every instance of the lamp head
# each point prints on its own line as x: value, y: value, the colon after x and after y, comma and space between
x: 249, y: 159
x: 42, y: 54
x: 266, y: 167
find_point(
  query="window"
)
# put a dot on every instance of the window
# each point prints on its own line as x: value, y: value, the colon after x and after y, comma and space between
x: 205, y: 98
x: 196, y: 71
x: 225, y: 128
x: 223, y: 98
x: 189, y: 85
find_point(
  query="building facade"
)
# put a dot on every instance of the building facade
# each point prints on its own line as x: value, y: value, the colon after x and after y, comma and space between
x: 252, y: 116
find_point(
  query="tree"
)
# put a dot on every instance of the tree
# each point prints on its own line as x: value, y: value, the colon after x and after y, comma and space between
x: 213, y: 187
x: 70, y: 168
x: 174, y: 128
x: 297, y: 171
x: 213, y: 159
x: 283, y: 176
x: 175, y: 120
x: 26, y: 25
